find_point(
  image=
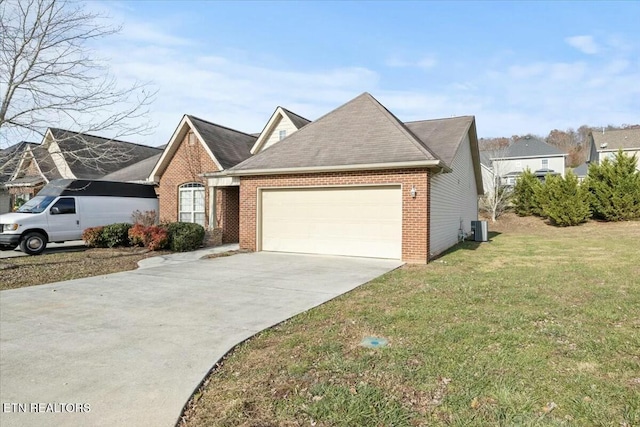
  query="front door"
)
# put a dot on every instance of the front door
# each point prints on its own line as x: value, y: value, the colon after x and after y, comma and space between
x: 64, y: 221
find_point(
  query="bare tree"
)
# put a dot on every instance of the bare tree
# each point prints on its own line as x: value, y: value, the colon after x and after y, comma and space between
x: 49, y: 77
x: 498, y: 194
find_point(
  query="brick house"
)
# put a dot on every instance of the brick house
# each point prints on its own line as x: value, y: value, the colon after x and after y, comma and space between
x: 198, y: 146
x: 358, y: 182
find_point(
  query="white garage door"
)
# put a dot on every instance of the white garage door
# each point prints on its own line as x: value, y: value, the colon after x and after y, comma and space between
x: 354, y: 221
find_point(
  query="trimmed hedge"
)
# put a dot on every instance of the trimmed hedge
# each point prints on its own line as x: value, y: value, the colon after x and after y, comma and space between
x: 93, y: 237
x: 184, y: 236
x: 116, y: 234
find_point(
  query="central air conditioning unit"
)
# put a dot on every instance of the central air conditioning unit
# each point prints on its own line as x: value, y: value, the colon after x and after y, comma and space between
x: 480, y: 231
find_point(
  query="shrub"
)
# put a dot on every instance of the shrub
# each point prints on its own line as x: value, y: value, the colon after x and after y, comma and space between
x: 146, y: 218
x: 525, y: 194
x: 184, y: 236
x: 152, y: 237
x: 564, y: 201
x: 116, y: 234
x: 93, y: 237
x: 615, y: 188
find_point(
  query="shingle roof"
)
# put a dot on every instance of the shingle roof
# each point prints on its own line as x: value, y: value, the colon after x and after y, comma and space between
x: 442, y: 136
x: 229, y: 146
x: 91, y: 157
x: 362, y: 131
x: 617, y: 139
x: 298, y: 121
x: 582, y: 170
x: 10, y: 157
x: 46, y: 163
x: 136, y: 172
x: 531, y: 147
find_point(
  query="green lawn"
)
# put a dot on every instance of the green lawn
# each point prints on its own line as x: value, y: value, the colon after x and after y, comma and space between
x: 540, y: 326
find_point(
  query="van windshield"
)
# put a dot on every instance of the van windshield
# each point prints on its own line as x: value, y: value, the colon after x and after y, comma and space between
x: 37, y: 204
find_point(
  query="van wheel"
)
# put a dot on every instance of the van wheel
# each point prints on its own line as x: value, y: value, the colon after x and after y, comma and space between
x: 33, y: 243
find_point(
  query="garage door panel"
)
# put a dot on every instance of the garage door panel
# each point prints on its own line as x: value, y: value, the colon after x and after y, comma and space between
x: 360, y: 221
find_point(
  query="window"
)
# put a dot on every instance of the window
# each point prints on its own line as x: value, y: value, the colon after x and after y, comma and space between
x: 282, y: 135
x: 545, y: 163
x: 64, y: 205
x: 191, y: 203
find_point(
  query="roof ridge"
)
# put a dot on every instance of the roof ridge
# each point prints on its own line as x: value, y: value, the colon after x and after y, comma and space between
x: 101, y: 137
x: 443, y: 118
x: 217, y: 125
x: 286, y: 110
x: 421, y: 145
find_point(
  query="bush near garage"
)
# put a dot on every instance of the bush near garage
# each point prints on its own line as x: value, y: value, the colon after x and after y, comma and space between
x: 184, y: 236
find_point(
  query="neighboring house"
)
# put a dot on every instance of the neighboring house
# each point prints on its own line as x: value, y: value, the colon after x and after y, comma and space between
x: 136, y: 173
x: 70, y: 155
x: 488, y: 175
x: 606, y: 144
x: 198, y: 146
x: 9, y: 159
x: 581, y: 171
x: 359, y: 182
x: 528, y: 153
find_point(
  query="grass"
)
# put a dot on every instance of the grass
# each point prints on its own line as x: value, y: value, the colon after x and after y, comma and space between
x: 48, y: 268
x: 539, y: 327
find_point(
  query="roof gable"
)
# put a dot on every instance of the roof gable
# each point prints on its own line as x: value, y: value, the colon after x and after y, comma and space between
x: 11, y: 157
x: 442, y: 136
x: 617, y: 139
x: 226, y: 147
x: 91, y: 157
x: 279, y: 114
x: 360, y: 132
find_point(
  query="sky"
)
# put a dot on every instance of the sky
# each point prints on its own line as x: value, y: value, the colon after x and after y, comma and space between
x: 519, y: 67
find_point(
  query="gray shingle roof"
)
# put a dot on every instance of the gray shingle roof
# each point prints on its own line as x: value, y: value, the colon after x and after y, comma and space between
x: 229, y: 146
x: 442, y: 136
x: 91, y: 157
x: 531, y: 147
x: 362, y: 131
x: 136, y: 172
x: 582, y: 170
x: 298, y: 121
x: 46, y: 163
x: 617, y: 139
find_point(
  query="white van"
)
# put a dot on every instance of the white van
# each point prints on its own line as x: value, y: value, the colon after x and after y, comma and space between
x: 64, y: 208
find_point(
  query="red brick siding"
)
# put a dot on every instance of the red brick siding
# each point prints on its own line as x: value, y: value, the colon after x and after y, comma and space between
x: 414, y: 211
x: 187, y: 163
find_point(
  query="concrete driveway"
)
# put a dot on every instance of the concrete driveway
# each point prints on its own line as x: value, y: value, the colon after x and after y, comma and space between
x: 130, y: 348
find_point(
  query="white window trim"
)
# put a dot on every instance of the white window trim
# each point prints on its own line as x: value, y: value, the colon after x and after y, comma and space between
x: 191, y: 188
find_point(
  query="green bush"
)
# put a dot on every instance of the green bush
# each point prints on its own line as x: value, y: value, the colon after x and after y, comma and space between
x: 93, y: 237
x: 116, y: 234
x: 564, y: 201
x: 615, y: 188
x: 184, y: 236
x: 525, y: 194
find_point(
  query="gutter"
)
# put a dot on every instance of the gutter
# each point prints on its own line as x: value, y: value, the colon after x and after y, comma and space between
x: 333, y: 168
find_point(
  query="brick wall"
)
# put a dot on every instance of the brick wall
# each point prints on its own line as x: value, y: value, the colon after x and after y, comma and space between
x: 229, y: 213
x: 415, y: 222
x: 189, y: 161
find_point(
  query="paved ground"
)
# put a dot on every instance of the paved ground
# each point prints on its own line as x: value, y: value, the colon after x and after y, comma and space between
x: 73, y: 245
x: 131, y: 347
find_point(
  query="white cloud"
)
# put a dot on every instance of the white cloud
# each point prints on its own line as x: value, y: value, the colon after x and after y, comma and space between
x: 584, y: 44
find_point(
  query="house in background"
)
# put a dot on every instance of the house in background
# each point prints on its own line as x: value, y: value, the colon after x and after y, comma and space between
x: 528, y: 153
x: 360, y: 182
x: 70, y: 155
x: 9, y: 159
x: 581, y: 171
x: 606, y: 144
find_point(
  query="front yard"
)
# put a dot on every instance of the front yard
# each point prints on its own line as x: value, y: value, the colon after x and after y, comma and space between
x: 540, y: 326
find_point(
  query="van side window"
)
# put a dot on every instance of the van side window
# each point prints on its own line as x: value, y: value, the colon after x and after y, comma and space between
x: 65, y: 205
